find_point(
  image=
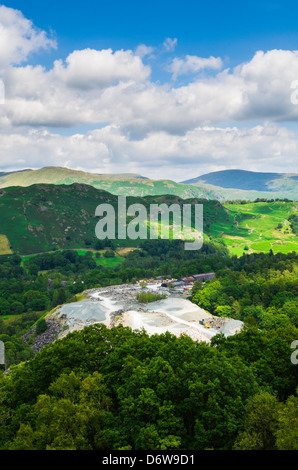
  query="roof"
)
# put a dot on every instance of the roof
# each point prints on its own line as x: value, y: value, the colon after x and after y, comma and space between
x: 203, y: 275
x: 188, y: 279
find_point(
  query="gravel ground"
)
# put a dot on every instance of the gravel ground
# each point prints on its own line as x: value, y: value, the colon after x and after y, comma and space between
x: 116, y: 305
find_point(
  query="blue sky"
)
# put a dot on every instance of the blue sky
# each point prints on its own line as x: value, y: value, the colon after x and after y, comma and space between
x: 234, y: 29
x: 211, y: 91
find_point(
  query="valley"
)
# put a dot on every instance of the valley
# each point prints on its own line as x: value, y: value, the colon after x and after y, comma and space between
x: 76, y: 310
x: 148, y: 230
x: 47, y: 217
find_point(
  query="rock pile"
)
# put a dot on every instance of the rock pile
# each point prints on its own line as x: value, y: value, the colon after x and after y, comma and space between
x: 54, y: 327
x: 215, y: 322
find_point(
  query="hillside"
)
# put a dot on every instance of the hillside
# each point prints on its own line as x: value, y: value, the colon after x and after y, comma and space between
x: 119, y: 184
x: 222, y: 185
x: 260, y: 227
x: 42, y: 218
x: 249, y: 185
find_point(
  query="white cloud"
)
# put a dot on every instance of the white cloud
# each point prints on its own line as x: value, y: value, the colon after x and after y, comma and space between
x: 142, y: 50
x: 19, y: 37
x: 192, y: 64
x: 114, y: 87
x: 266, y: 85
x: 160, y: 130
x: 159, y: 155
x: 91, y: 68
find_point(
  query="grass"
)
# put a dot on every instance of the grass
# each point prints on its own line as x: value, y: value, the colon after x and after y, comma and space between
x: 125, y: 251
x: 10, y: 317
x: 4, y: 246
x: 105, y: 262
x: 110, y: 262
x: 256, y: 227
x: 80, y: 297
x: 34, y: 324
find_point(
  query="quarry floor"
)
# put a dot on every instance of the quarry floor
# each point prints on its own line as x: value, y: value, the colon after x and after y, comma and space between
x: 117, y: 305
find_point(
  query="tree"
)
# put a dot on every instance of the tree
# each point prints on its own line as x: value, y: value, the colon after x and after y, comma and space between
x: 260, y: 423
x: 24, y: 439
x: 287, y: 432
x: 196, y: 287
x: 17, y: 308
x: 236, y: 310
x: 59, y: 297
x: 41, y: 327
x: 69, y: 418
x: 99, y: 245
x: 224, y: 311
x: 5, y: 308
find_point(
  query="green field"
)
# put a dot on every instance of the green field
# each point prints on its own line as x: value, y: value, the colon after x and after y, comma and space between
x: 260, y: 227
x: 105, y: 262
x: 110, y: 262
x: 4, y: 246
x: 10, y: 317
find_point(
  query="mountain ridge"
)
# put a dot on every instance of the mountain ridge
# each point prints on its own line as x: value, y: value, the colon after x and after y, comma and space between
x: 222, y: 185
x: 118, y: 184
x: 242, y: 179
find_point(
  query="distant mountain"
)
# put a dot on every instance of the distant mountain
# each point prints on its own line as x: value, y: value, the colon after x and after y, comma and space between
x: 221, y: 185
x: 241, y: 184
x: 118, y: 184
x: 3, y: 173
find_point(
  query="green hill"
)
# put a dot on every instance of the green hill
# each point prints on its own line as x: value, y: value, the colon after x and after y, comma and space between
x: 41, y: 218
x: 119, y: 184
x: 222, y: 186
x: 259, y: 227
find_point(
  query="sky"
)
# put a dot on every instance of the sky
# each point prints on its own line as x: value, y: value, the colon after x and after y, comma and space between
x: 165, y: 89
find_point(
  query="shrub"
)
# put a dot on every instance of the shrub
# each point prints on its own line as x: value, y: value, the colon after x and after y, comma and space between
x: 146, y: 297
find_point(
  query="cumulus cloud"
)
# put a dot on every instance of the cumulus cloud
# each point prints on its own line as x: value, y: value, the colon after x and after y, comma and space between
x: 160, y: 155
x: 19, y: 37
x: 91, y: 68
x: 143, y: 126
x: 266, y: 85
x: 192, y: 64
x: 115, y: 87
